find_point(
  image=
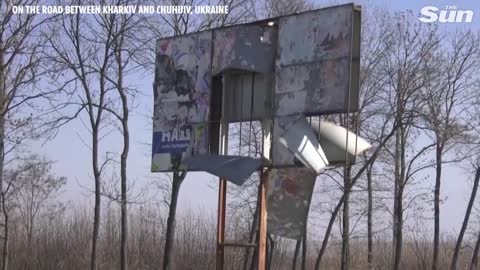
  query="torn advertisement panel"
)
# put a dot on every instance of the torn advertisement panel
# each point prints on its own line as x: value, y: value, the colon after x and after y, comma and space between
x: 289, y: 196
x: 330, y: 144
x: 302, y: 142
x: 236, y: 169
x: 281, y: 156
x: 244, y: 47
x: 317, y: 52
x: 182, y: 95
x: 337, y: 141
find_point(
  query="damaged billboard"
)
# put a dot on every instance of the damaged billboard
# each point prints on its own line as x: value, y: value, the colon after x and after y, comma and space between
x: 279, y: 69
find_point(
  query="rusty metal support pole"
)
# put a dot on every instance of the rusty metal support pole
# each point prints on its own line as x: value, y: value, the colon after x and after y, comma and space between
x: 262, y: 239
x: 262, y: 197
x: 222, y: 193
x: 222, y: 198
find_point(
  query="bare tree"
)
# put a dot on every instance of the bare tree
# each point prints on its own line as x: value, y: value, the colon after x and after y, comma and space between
x: 82, y: 53
x: 116, y: 47
x: 275, y: 8
x: 474, y: 262
x: 372, y: 110
x: 12, y: 186
x: 386, y: 138
x: 21, y: 68
x: 119, y: 47
x: 39, y: 187
x: 129, y: 33
x: 177, y: 180
x: 446, y: 97
x: 370, y: 217
x: 304, y: 248
x: 347, y: 186
x: 468, y: 212
x: 407, y: 70
x: 295, y: 254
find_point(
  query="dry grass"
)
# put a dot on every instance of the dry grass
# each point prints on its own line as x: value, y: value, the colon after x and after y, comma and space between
x: 63, y: 242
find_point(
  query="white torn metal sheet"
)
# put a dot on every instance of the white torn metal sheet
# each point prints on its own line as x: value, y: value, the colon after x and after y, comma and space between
x: 314, y: 62
x: 281, y: 156
x: 337, y: 140
x: 336, y: 143
x: 236, y: 169
x: 302, y: 142
x: 181, y: 99
x: 244, y: 47
x: 289, y: 196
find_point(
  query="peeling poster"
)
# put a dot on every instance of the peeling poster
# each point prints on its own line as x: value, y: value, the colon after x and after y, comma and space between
x: 182, y: 99
x: 289, y: 196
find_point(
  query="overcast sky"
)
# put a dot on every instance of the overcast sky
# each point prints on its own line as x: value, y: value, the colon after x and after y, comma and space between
x: 73, y: 157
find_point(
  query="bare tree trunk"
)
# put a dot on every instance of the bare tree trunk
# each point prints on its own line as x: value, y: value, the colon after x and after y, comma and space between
x: 253, y: 263
x: 2, y: 145
x: 124, y: 229
x: 396, y: 192
x: 96, y: 214
x: 5, y: 234
x: 5, y: 214
x: 5, y: 245
x: 399, y: 231
x: 123, y: 160
x: 123, y: 164
x: 172, y: 211
x: 327, y: 233
x: 436, y: 232
x: 304, y: 248
x: 295, y: 254
x: 399, y: 176
x: 251, y: 237
x: 398, y: 211
x: 30, y: 235
x: 458, y: 245
x: 345, y: 260
x: 370, y: 218
x: 353, y: 181
x: 474, y: 262
x: 95, y: 124
x: 270, y: 251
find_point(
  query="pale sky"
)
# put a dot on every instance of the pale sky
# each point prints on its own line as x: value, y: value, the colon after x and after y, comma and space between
x: 73, y: 158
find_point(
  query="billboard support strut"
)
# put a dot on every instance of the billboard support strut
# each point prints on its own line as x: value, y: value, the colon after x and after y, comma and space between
x: 262, y: 224
x: 222, y: 196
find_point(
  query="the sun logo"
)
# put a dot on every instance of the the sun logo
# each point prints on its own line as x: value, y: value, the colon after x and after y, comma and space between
x: 451, y: 14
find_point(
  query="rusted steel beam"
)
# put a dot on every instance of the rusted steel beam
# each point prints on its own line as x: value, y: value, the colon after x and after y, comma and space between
x: 262, y: 240
x: 222, y: 199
